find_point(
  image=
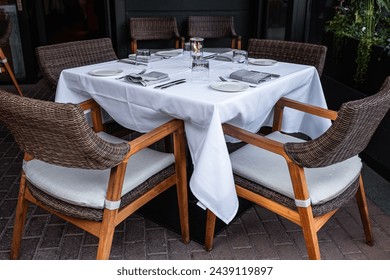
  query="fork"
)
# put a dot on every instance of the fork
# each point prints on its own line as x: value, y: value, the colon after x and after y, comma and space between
x: 140, y: 73
x: 224, y: 80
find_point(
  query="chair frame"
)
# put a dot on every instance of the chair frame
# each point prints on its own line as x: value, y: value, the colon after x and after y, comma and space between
x: 156, y: 25
x: 303, y: 216
x: 288, y: 51
x: 5, y: 67
x: 104, y: 229
x: 52, y: 59
x: 194, y: 23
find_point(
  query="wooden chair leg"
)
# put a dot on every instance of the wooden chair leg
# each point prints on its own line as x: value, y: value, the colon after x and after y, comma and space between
x: 179, y: 148
x: 309, y: 233
x: 20, y: 218
x: 106, y: 234
x: 210, y: 228
x: 363, y: 210
x: 7, y: 67
x: 182, y: 197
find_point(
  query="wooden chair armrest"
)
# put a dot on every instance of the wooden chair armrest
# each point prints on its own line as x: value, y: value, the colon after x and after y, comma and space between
x: 255, y: 139
x: 96, y: 113
x: 304, y: 107
x: 154, y: 135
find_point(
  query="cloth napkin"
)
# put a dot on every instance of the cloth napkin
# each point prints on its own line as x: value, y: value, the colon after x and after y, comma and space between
x: 250, y: 76
x: 153, y: 58
x: 148, y: 79
x: 227, y: 56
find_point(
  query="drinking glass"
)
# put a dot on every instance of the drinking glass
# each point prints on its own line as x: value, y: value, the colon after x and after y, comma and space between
x: 142, y: 57
x: 187, y: 51
x: 200, y: 71
x: 240, y: 59
x: 196, y: 47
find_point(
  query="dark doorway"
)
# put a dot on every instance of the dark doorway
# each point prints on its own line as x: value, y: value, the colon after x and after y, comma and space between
x: 73, y: 20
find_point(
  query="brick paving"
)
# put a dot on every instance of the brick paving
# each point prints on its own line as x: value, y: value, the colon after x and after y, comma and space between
x: 256, y: 234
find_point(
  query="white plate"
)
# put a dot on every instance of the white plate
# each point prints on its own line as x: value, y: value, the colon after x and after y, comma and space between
x: 262, y: 62
x: 171, y: 53
x: 105, y: 72
x: 229, y: 86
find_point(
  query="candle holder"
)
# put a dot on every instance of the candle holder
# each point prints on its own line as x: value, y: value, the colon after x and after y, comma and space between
x: 196, y: 48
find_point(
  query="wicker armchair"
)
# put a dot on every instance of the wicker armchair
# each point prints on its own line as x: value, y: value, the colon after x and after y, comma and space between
x: 53, y: 59
x: 308, y: 181
x: 287, y: 51
x: 214, y: 27
x: 153, y: 28
x: 85, y: 176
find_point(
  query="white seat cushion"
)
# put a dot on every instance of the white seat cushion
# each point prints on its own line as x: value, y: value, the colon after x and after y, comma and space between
x: 85, y: 187
x: 270, y: 170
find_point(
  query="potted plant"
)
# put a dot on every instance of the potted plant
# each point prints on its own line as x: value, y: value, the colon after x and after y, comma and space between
x: 368, y: 22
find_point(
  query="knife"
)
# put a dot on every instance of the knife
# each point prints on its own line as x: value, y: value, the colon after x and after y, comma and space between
x: 210, y: 56
x: 174, y: 84
x: 132, y: 62
x: 171, y: 82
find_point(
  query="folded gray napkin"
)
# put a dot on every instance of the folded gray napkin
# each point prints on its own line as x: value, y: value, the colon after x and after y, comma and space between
x: 148, y: 79
x: 153, y: 58
x: 227, y: 56
x: 250, y: 76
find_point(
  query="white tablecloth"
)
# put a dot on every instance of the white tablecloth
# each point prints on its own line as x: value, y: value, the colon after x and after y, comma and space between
x: 203, y: 109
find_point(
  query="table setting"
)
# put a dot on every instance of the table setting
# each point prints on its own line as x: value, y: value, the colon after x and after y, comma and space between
x: 204, y: 101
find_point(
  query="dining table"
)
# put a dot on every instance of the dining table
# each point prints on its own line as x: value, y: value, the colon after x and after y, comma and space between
x: 203, y: 107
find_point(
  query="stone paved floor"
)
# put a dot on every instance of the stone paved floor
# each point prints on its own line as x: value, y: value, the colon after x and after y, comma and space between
x: 257, y: 234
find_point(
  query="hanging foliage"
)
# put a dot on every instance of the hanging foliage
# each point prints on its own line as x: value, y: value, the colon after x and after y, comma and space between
x: 365, y: 20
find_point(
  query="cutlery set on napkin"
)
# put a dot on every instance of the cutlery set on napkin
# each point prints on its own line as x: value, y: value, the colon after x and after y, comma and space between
x: 254, y: 77
x: 132, y: 58
x: 147, y: 79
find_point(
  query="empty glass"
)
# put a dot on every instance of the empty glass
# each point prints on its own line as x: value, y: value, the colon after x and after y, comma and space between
x: 142, y: 57
x: 187, y: 51
x: 200, y: 71
x: 196, y: 47
x: 240, y: 59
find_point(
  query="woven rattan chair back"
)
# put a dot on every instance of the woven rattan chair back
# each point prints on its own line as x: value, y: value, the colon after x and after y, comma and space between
x: 214, y: 27
x: 153, y: 28
x: 53, y: 59
x: 287, y: 51
x: 57, y: 133
x: 349, y: 134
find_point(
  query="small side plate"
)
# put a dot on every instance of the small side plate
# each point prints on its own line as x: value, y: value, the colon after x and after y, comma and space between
x: 262, y: 62
x: 105, y: 72
x: 229, y: 86
x: 171, y: 53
